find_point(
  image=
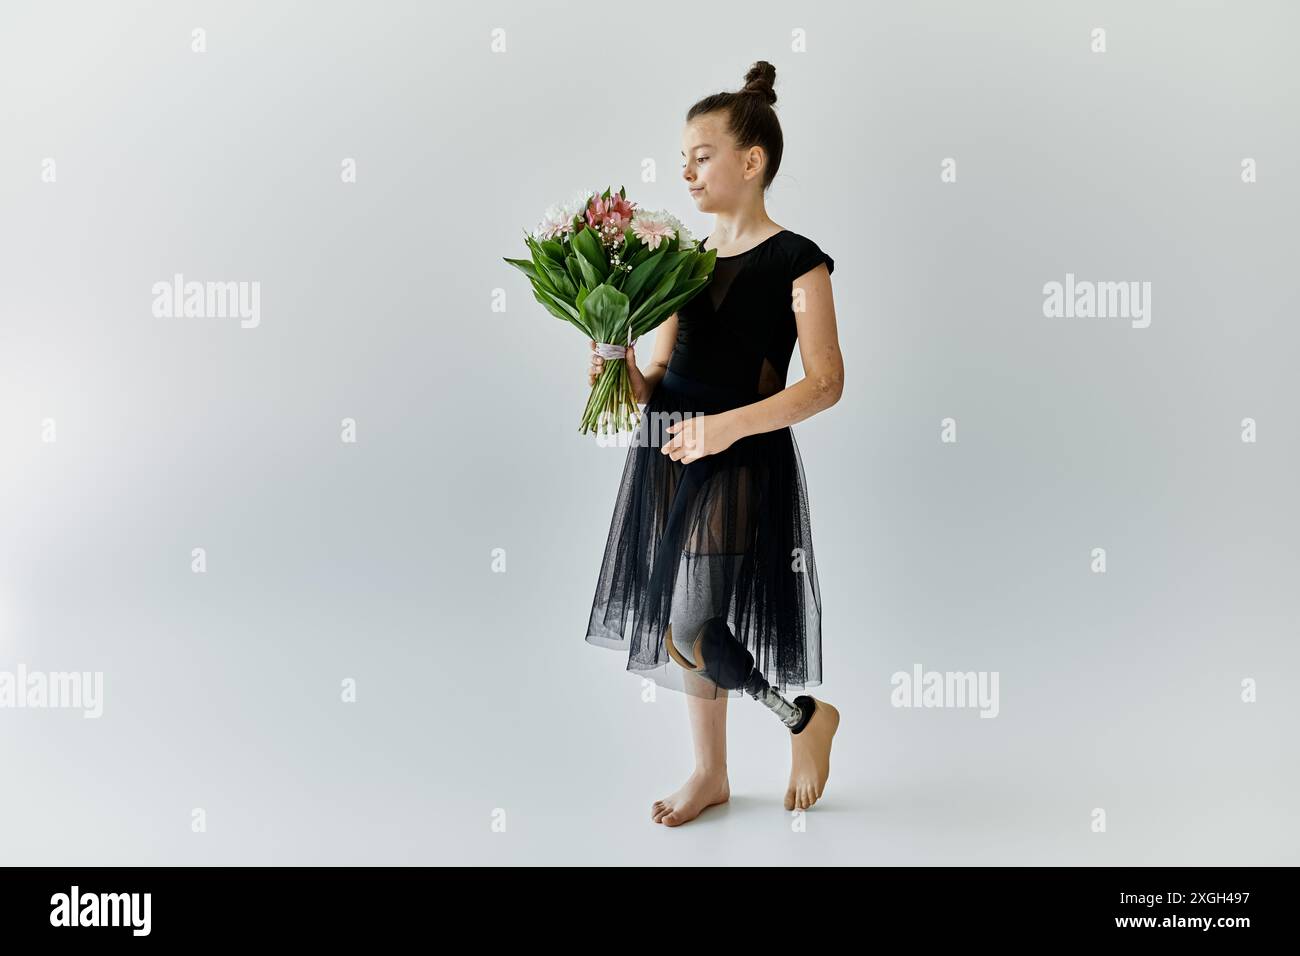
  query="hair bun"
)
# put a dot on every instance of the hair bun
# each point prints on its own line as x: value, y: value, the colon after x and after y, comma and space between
x: 760, y: 79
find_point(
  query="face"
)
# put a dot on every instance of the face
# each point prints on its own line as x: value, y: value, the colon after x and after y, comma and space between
x: 716, y: 172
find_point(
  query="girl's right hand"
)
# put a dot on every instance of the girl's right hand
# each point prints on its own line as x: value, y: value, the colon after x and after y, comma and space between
x: 635, y: 378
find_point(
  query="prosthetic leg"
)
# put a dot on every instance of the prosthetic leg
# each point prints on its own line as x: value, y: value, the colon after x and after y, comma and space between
x: 717, y: 655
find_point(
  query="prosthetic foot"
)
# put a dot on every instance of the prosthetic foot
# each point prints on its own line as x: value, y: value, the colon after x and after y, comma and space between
x: 716, y: 654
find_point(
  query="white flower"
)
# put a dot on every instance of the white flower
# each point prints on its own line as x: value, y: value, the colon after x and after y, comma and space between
x: 558, y: 218
x: 554, y: 222
x: 685, y: 239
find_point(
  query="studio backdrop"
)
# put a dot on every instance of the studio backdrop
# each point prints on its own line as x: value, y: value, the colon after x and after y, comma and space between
x: 297, y: 568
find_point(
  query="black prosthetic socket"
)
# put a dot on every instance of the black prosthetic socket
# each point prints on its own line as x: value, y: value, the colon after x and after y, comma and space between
x: 806, y: 707
x: 729, y: 664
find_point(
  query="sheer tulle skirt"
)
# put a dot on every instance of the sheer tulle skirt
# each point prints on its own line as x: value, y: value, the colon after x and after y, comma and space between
x: 726, y: 535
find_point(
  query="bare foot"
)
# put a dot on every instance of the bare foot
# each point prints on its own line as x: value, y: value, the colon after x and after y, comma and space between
x: 810, y: 757
x: 702, y: 789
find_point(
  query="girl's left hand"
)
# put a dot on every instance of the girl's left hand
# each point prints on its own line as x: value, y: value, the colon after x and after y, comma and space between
x: 697, y: 436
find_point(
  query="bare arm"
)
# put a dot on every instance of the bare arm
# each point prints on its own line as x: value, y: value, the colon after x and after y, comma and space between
x: 823, y: 365
x: 665, y: 339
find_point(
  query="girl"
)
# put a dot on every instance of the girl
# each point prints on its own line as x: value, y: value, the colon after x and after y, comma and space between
x: 710, y: 545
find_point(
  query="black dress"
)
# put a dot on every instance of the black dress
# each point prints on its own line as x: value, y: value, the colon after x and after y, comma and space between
x: 727, y: 534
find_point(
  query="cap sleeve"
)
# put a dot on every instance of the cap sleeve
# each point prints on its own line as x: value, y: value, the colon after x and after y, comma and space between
x: 805, y: 255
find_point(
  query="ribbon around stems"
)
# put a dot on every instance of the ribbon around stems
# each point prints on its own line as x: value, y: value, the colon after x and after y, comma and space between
x: 608, y: 350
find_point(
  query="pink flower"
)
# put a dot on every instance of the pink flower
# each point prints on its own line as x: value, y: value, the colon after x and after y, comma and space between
x: 651, y: 231
x: 610, y: 217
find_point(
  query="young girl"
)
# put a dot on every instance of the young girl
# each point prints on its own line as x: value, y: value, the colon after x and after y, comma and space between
x: 711, y: 521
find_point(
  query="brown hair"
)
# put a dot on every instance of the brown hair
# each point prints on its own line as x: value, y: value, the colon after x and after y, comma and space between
x: 751, y: 119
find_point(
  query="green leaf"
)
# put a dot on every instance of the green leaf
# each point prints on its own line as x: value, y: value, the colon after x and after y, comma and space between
x: 539, y: 262
x: 561, y: 310
x: 644, y: 272
x: 705, y: 263
x: 605, y: 312
x: 568, y: 289
x: 551, y: 273
x: 561, y: 285
x: 656, y: 315
x: 543, y: 281
x: 664, y: 289
x: 590, y: 277
x: 641, y: 255
x: 575, y: 272
x: 587, y: 245
x: 525, y: 266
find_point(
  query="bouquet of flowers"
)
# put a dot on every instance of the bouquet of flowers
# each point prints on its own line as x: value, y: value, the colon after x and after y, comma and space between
x: 614, y: 272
